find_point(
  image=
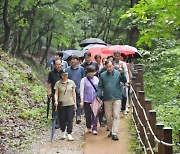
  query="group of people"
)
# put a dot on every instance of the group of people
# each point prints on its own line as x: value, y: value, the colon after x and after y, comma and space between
x: 75, y: 86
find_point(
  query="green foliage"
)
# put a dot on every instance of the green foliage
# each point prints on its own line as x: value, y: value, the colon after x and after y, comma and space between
x: 162, y: 76
x: 155, y: 20
x: 22, y: 106
x: 38, y: 92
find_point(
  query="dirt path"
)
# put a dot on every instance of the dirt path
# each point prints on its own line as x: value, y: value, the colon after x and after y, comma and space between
x: 42, y: 145
x: 84, y: 143
x: 101, y: 144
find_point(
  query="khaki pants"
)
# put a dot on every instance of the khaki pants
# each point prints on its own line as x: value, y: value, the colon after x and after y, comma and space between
x: 112, y: 112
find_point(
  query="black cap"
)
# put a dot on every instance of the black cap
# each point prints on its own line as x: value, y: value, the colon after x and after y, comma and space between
x: 64, y: 71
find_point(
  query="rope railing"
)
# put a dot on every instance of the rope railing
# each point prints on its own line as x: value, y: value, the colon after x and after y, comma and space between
x: 138, y: 133
x: 144, y: 129
x: 149, y: 126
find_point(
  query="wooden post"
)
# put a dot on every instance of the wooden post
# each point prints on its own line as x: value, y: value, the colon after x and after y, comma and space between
x: 160, y: 136
x: 152, y: 120
x: 148, y: 106
x: 142, y: 116
x: 138, y: 88
x: 147, y: 109
x: 140, y: 78
x: 168, y: 139
x: 138, y: 66
x: 134, y: 82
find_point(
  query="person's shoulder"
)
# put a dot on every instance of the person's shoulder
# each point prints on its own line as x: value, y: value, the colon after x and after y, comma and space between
x: 96, y: 78
x: 80, y: 67
x: 116, y: 71
x: 83, y: 78
x: 58, y: 82
x: 94, y: 63
x: 71, y: 82
x: 51, y: 72
x: 103, y: 74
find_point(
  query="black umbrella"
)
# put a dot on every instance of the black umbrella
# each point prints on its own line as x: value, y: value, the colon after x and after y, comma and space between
x: 48, y: 105
x: 55, y: 118
x: 68, y: 53
x: 91, y: 41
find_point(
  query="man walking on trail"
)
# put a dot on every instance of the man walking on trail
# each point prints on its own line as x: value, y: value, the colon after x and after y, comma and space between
x: 76, y: 73
x: 111, y: 89
x: 53, y: 77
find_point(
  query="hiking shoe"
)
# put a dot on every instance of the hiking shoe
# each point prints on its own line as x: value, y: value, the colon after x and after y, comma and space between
x: 70, y: 138
x: 94, y: 132
x: 110, y: 134
x: 115, y: 137
x: 63, y: 135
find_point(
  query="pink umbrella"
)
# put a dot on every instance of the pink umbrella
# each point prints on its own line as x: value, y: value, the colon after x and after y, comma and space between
x: 96, y: 105
x: 109, y: 50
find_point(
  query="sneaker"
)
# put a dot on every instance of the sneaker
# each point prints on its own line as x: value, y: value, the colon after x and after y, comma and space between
x: 63, y: 136
x: 78, y: 120
x: 127, y: 109
x: 124, y: 112
x: 110, y: 134
x: 94, y: 132
x: 70, y: 138
x: 115, y: 137
x: 89, y: 130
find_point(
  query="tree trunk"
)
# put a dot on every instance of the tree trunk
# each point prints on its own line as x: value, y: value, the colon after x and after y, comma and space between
x: 134, y: 32
x: 133, y: 36
x: 48, y: 44
x: 7, y: 27
x: 28, y: 33
x: 19, y: 36
x: 15, y: 42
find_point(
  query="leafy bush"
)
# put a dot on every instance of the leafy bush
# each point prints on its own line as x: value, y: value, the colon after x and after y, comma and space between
x: 161, y: 80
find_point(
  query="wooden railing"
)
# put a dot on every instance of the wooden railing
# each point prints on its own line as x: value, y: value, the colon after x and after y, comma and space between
x: 154, y: 138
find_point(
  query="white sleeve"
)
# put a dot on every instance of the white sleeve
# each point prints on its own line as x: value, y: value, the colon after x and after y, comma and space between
x: 126, y: 71
x: 82, y: 89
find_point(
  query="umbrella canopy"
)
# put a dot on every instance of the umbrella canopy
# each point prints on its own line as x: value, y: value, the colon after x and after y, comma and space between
x: 48, y: 64
x: 91, y: 41
x: 92, y: 45
x: 109, y: 50
x: 68, y: 53
x: 137, y: 54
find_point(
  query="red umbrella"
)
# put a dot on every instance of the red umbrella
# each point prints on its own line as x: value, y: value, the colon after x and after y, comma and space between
x: 109, y: 50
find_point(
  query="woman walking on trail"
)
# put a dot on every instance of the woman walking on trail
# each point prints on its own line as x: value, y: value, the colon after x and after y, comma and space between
x: 65, y: 95
x: 88, y: 88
